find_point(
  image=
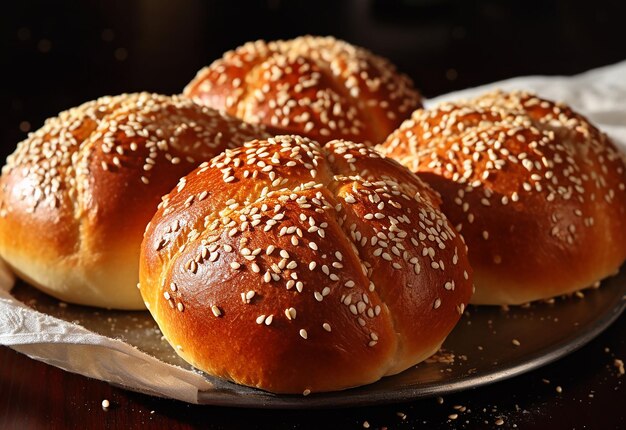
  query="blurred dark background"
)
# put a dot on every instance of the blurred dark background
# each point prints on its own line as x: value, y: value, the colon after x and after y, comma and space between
x: 59, y: 54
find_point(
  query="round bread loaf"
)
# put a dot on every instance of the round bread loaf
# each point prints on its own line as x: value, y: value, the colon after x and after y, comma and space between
x: 535, y: 189
x: 317, y: 87
x: 76, y: 195
x: 297, y: 268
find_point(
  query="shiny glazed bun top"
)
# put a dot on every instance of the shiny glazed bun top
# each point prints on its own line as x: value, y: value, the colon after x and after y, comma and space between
x: 76, y: 195
x: 535, y: 189
x: 292, y: 267
x: 318, y: 87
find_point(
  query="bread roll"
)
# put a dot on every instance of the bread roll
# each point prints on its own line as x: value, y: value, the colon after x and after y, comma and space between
x: 76, y: 195
x: 295, y: 268
x: 318, y: 87
x: 535, y: 189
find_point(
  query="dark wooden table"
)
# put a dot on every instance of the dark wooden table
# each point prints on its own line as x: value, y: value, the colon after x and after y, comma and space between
x: 592, y: 395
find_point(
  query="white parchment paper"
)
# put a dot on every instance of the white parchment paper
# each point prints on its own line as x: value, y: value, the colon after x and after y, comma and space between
x: 599, y: 94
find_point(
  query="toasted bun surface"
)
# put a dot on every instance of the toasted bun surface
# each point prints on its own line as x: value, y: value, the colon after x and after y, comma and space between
x: 288, y: 266
x: 318, y: 87
x: 76, y: 195
x: 535, y: 189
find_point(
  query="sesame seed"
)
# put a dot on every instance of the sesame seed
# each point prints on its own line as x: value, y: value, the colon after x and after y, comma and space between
x: 290, y: 313
x: 216, y: 311
x: 303, y: 334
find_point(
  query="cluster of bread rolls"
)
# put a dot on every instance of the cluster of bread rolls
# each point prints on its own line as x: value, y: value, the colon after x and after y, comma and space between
x: 305, y: 262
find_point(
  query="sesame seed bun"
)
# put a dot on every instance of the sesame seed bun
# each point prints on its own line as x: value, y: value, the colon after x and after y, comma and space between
x: 76, y: 195
x: 535, y: 189
x: 293, y: 267
x: 317, y: 87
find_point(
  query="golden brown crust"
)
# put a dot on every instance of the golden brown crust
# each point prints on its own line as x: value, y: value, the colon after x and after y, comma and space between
x: 76, y: 195
x: 290, y: 267
x: 535, y: 189
x: 317, y: 87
